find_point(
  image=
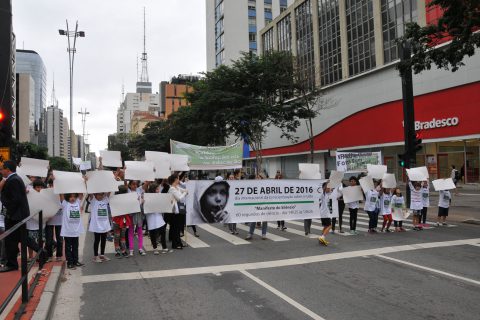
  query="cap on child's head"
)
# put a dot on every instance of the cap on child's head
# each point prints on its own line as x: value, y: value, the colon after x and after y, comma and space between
x: 218, y: 178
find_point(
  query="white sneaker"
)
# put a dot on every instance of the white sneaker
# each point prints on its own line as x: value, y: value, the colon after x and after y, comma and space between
x: 103, y: 258
x: 97, y: 259
x: 156, y: 252
x: 142, y: 252
x: 131, y: 253
x: 437, y: 224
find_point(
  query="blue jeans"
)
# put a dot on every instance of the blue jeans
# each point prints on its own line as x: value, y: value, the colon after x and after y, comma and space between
x: 264, y: 228
x: 372, y: 219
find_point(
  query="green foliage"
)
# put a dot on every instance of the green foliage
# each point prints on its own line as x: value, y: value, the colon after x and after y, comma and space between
x: 29, y: 150
x: 59, y: 163
x: 460, y: 20
x: 120, y: 142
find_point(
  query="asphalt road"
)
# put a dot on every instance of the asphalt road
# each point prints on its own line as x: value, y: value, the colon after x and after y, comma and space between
x: 431, y: 274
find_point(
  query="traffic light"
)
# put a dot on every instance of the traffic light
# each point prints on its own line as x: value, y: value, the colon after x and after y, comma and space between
x: 5, y: 128
x: 417, y: 142
x: 401, y: 160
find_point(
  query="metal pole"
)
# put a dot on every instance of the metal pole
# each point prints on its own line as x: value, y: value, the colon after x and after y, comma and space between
x: 40, y: 240
x: 408, y: 111
x: 23, y: 245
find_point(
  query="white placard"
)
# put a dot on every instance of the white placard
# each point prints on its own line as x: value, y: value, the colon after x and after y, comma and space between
x: 34, y: 167
x: 158, y: 202
x: 443, y: 184
x: 101, y: 181
x: 389, y: 181
x: 68, y: 182
x: 418, y: 174
x: 309, y: 171
x: 161, y: 163
x: 139, y: 170
x: 77, y: 161
x: 352, y: 194
x: 85, y: 165
x: 367, y: 183
x: 335, y: 179
x: 376, y: 171
x: 111, y: 158
x: 179, y: 162
x: 25, y: 179
x: 124, y: 203
x: 45, y: 201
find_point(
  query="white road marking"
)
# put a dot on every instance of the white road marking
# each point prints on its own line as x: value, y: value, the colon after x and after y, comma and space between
x: 475, y: 244
x: 271, y: 264
x: 193, y: 241
x: 222, y: 234
x: 443, y: 273
x: 286, y: 298
x: 270, y: 236
x: 295, y: 231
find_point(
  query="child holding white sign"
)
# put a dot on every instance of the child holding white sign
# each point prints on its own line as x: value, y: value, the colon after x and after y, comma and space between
x: 156, y: 225
x: 385, y: 200
x: 444, y: 201
x: 371, y: 206
x: 416, y: 203
x: 72, y: 227
x: 397, y: 204
x: 99, y: 224
x: 325, y: 214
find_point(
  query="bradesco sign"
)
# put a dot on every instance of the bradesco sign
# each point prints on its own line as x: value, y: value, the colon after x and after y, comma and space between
x: 436, y: 123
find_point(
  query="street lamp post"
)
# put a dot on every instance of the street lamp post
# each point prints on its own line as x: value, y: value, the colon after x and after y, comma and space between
x: 84, y: 114
x: 71, y: 57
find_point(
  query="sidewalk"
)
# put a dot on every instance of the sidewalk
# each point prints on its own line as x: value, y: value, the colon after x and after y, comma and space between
x: 39, y: 304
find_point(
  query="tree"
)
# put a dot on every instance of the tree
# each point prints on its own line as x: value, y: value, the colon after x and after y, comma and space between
x: 460, y: 20
x: 29, y: 150
x: 59, y: 163
x: 248, y: 97
x: 120, y: 142
x: 309, y: 102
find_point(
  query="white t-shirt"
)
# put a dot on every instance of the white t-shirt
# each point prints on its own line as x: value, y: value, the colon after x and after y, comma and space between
x: 353, y: 205
x: 72, y: 225
x: 385, y: 203
x: 334, y: 195
x: 99, y: 220
x: 371, y: 199
x: 154, y: 220
x: 397, y: 204
x: 2, y: 217
x: 426, y: 196
x: 324, y: 209
x: 444, y: 197
x: 416, y: 198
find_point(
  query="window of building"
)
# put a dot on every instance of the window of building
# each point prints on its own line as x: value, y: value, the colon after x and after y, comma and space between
x: 268, y: 15
x: 219, y: 27
x: 283, y: 5
x: 395, y: 15
x: 252, y: 36
x: 330, y: 45
x: 267, y: 41
x: 220, y: 58
x: 252, y: 11
x: 305, y: 56
x: 219, y: 11
x: 219, y: 43
x: 360, y: 36
x: 284, y: 34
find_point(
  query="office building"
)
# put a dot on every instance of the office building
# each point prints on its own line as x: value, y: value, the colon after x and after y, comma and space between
x: 233, y: 26
x: 172, y: 94
x: 56, y: 140
x: 347, y: 48
x: 25, y: 107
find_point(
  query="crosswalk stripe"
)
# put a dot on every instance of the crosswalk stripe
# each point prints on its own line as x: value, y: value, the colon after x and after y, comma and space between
x: 315, y: 227
x: 366, y: 216
x: 222, y: 234
x: 270, y: 236
x: 295, y: 231
x: 193, y: 241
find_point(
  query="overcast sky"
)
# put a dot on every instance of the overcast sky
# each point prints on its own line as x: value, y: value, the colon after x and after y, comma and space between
x: 107, y: 56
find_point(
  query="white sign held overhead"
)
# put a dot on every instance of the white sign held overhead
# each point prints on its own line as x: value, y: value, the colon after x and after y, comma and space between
x: 68, y: 182
x: 111, y: 158
x: 161, y: 163
x: 158, y: 203
x: 367, y: 183
x: 45, y: 201
x: 34, y: 167
x: 124, y: 203
x: 25, y: 179
x: 417, y: 174
x: 376, y: 171
x: 352, y: 194
x: 443, y: 184
x: 335, y: 179
x: 389, y: 181
x: 179, y: 162
x: 101, y: 181
x: 309, y: 171
x: 139, y: 170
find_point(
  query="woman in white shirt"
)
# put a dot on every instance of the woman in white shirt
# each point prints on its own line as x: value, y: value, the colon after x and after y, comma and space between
x: 178, y: 195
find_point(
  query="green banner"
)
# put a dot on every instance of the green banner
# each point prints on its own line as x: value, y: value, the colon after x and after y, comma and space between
x: 210, y: 158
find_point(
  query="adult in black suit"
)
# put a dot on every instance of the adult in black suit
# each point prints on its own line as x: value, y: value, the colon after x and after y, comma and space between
x: 14, y: 199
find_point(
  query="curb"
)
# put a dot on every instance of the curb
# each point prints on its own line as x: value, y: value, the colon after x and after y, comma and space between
x: 472, y: 221
x: 45, y: 307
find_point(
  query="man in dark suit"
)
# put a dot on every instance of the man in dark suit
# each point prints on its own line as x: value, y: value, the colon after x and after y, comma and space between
x: 14, y: 199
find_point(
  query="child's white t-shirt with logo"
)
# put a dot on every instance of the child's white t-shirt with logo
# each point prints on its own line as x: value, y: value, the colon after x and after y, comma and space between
x: 371, y: 199
x: 385, y: 203
x: 99, y: 219
x: 72, y: 225
x: 444, y: 199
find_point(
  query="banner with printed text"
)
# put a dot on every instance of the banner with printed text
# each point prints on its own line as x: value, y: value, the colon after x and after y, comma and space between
x: 357, y: 161
x: 210, y: 158
x: 236, y: 201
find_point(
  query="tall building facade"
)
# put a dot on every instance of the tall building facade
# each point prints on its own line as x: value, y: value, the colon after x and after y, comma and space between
x: 57, y: 142
x: 25, y: 107
x: 173, y: 93
x: 30, y: 62
x: 133, y: 102
x: 348, y: 49
x: 233, y: 27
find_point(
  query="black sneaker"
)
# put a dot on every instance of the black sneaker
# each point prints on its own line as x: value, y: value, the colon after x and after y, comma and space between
x: 125, y: 254
x: 118, y: 255
x: 71, y: 267
x: 79, y: 264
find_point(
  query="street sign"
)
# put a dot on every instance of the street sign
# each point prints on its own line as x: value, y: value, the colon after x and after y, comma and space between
x: 4, y: 154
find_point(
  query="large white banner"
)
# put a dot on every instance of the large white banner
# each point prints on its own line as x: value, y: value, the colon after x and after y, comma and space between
x: 252, y: 200
x: 357, y: 161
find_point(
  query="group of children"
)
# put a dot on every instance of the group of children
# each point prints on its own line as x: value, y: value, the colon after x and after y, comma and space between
x: 389, y: 202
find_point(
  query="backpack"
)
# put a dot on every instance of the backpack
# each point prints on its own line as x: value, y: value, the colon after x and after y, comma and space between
x: 457, y: 175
